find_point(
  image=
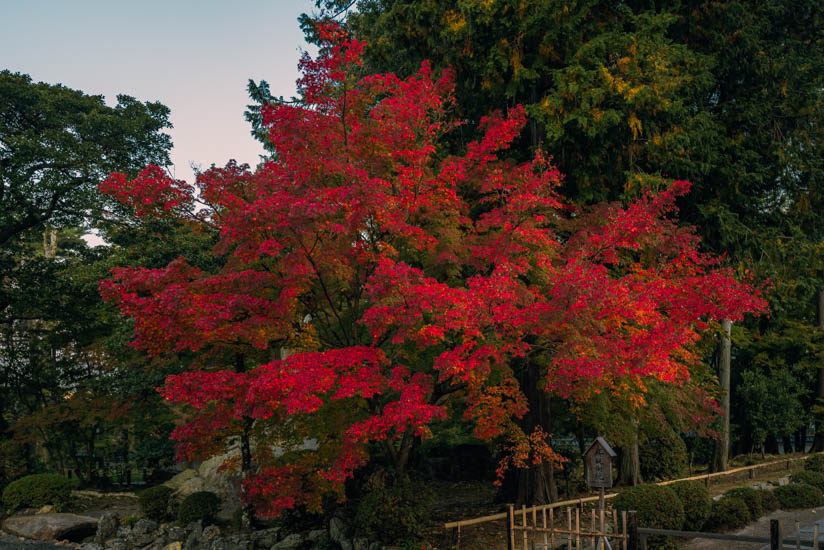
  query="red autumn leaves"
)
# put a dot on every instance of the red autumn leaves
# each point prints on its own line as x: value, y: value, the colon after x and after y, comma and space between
x: 409, y: 285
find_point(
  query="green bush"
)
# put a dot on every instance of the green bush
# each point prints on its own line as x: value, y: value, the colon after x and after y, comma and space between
x: 657, y: 507
x: 202, y: 505
x: 810, y: 477
x: 815, y: 463
x: 154, y: 502
x: 752, y: 497
x: 394, y: 514
x: 38, y: 490
x: 697, y: 503
x: 663, y: 456
x: 729, y: 513
x: 768, y: 501
x: 798, y: 495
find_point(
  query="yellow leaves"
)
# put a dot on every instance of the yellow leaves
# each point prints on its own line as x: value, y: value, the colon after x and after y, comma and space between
x: 454, y: 21
x: 634, y: 125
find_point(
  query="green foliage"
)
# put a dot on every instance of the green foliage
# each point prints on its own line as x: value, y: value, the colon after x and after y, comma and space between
x: 396, y: 513
x: 773, y: 403
x: 808, y: 477
x: 768, y: 501
x: 798, y: 495
x: 815, y: 463
x: 38, y: 490
x: 697, y: 503
x: 154, y: 502
x: 657, y: 506
x: 663, y: 457
x: 729, y: 513
x: 13, y: 460
x: 752, y: 497
x: 202, y: 505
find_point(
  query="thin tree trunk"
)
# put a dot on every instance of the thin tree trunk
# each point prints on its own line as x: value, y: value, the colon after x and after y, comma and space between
x: 722, y: 447
x: 818, y: 442
x: 248, y: 509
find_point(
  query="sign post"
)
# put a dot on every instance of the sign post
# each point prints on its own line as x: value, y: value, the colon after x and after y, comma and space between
x: 598, y: 459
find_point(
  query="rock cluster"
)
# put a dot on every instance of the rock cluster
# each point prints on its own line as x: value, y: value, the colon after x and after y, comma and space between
x: 148, y: 535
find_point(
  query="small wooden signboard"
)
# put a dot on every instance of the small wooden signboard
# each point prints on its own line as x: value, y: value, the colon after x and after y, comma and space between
x: 599, y: 464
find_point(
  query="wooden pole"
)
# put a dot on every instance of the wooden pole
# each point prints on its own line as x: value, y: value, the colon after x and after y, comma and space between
x: 510, y: 527
x: 775, y: 534
x: 632, y: 540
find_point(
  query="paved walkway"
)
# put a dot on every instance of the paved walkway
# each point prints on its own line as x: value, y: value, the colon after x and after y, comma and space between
x: 761, y: 528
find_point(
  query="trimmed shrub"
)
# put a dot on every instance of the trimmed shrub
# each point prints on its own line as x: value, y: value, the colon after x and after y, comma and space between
x: 815, y: 463
x: 729, y: 513
x: 202, y: 505
x: 154, y: 502
x: 810, y: 477
x: 663, y: 457
x: 394, y: 514
x: 768, y: 501
x: 798, y: 495
x: 38, y: 490
x: 657, y: 507
x: 697, y: 503
x: 750, y: 496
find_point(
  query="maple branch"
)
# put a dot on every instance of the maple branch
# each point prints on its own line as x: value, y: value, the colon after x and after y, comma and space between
x: 323, y: 286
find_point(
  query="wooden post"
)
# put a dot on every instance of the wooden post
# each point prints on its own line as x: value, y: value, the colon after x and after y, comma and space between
x: 815, y: 544
x: 510, y: 527
x: 632, y: 521
x: 775, y: 535
x: 523, y: 521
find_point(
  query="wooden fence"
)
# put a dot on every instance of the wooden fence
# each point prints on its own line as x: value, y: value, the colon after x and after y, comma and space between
x: 578, y: 503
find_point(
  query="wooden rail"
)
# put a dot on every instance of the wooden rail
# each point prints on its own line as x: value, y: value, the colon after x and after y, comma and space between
x: 581, y: 501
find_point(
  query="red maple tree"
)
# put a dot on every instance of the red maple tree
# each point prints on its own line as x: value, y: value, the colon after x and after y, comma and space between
x: 406, y: 285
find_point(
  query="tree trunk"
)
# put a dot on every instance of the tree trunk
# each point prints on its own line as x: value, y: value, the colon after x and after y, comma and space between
x: 800, y: 437
x: 722, y: 447
x: 536, y: 484
x: 818, y: 442
x: 630, y: 461
x: 248, y: 509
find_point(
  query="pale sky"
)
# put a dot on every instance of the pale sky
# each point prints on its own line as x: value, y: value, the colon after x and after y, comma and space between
x: 194, y: 56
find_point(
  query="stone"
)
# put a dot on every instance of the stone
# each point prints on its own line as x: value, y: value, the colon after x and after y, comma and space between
x: 783, y: 481
x: 237, y: 542
x: 116, y: 544
x: 141, y: 539
x: 266, y: 538
x: 292, y: 542
x: 107, y: 527
x: 144, y: 526
x: 346, y: 545
x: 360, y: 544
x: 176, y: 534
x: 338, y: 529
x: 316, y: 534
x: 90, y: 546
x: 195, y: 530
x: 375, y: 546
x: 177, y: 545
x: 47, y: 509
x: 177, y: 481
x: 70, y: 527
x: 210, y: 532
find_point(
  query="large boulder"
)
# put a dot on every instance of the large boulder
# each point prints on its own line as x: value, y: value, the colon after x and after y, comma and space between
x: 180, y: 479
x: 51, y: 526
x: 107, y: 527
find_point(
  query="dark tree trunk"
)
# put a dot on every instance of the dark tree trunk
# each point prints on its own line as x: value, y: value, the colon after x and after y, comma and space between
x: 536, y: 484
x: 818, y: 442
x: 771, y: 445
x: 248, y: 510
x: 722, y: 447
x: 787, y: 443
x: 800, y: 437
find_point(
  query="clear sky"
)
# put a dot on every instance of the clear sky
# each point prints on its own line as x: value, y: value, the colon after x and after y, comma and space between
x: 194, y: 56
